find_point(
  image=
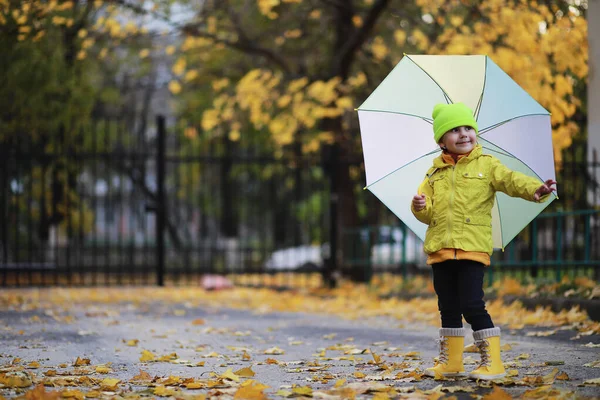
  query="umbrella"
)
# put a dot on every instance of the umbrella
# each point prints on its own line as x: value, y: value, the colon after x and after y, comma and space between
x: 397, y: 135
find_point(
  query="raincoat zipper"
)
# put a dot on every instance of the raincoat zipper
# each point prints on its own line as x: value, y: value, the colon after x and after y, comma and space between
x: 449, y: 225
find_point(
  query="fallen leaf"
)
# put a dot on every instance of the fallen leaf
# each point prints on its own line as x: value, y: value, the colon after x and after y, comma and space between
x: 109, y: 384
x: 164, y: 391
x: 229, y: 374
x: 132, y: 342
x: 198, y: 321
x: 245, y: 372
x: 595, y: 382
x: 147, y: 356
x: 339, y: 383
x: 251, y: 390
x: 81, y: 361
x: 72, y: 394
x: 563, y: 376
x: 142, y: 376
x: 302, y: 390
x: 274, y: 350
x: 497, y: 394
x: 16, y: 379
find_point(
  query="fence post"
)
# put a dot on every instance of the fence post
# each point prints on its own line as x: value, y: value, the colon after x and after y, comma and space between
x: 160, y: 200
x: 330, y: 268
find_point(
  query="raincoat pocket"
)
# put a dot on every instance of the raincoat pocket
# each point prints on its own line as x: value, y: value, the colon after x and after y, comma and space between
x: 477, y: 233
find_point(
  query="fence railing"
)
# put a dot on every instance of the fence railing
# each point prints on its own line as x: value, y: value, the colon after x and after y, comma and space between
x: 109, y: 205
x: 555, y: 244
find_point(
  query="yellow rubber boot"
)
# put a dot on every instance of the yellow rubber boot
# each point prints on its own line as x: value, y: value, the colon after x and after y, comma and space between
x: 450, y: 361
x: 488, y: 343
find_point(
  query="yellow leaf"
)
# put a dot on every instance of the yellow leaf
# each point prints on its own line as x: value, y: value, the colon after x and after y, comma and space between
x: 245, y: 372
x: 271, y: 361
x: 376, y: 358
x: 168, y: 357
x: 142, y: 376
x: 147, y: 356
x: 339, y: 383
x: 144, y: 53
x: 292, y: 34
x: 163, y: 391
x: 344, y: 103
x: 103, y: 370
x: 549, y: 378
x: 194, y: 385
x: 229, y: 374
x: 72, y: 394
x: 81, y: 361
x: 497, y: 394
x: 210, y: 119
x: 170, y: 50
x: 274, y: 350
x: 563, y: 377
x: 174, y: 87
x: 191, y: 133
x: 198, y: 321
x: 359, y: 375
x: 179, y: 66
x: 400, y: 37
x: 379, y: 49
x: 357, y: 21
x: 16, y: 379
x: 132, y: 342
x: 109, y: 383
x: 191, y: 75
x: 33, y: 364
x: 251, y: 390
x: 246, y: 356
x: 303, y: 391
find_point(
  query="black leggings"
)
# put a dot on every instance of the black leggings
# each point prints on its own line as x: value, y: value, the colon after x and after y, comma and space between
x: 459, y: 287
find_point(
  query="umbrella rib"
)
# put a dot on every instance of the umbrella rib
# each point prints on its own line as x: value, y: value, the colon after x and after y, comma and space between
x: 399, y: 168
x: 478, y: 107
x: 431, y: 77
x: 489, y: 128
x: 398, y: 113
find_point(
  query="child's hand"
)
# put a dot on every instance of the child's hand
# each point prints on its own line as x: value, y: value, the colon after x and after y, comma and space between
x: 419, y: 202
x: 543, y: 190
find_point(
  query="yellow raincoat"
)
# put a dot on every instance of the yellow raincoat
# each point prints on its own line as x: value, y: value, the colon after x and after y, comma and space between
x: 459, y: 201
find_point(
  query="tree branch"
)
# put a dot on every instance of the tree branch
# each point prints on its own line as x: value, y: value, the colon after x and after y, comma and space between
x: 247, y: 47
x: 343, y: 60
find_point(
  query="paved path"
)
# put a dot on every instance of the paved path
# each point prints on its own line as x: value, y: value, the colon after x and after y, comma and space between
x: 317, y: 349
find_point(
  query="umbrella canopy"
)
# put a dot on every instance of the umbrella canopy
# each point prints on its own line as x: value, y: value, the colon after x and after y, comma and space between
x: 397, y: 134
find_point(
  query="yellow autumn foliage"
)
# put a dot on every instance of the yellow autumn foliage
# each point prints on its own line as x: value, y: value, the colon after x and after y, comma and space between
x: 544, y: 52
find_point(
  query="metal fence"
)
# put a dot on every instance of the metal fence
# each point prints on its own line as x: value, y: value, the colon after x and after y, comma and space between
x: 116, y: 204
x: 564, y: 240
x: 105, y: 206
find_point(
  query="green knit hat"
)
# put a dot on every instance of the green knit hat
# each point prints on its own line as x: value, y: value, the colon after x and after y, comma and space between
x: 450, y: 116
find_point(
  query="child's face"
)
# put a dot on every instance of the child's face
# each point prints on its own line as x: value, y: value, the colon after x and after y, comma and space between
x: 459, y: 140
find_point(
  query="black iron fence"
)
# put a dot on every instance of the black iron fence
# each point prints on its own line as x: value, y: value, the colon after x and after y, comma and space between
x: 115, y: 204
x: 104, y: 206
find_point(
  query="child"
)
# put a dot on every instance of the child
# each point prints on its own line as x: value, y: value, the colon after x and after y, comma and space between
x: 456, y: 200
